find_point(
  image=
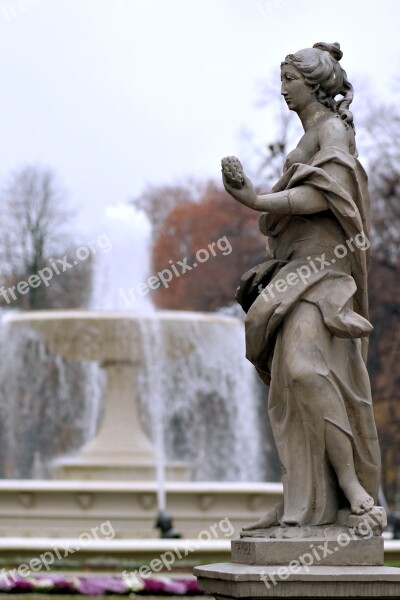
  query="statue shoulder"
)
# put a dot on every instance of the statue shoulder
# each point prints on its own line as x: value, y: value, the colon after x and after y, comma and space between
x: 333, y: 131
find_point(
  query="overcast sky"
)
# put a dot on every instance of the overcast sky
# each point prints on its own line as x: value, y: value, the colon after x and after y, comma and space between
x: 117, y: 94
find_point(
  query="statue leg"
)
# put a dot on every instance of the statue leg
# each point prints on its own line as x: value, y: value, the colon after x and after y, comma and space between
x: 306, y: 401
x: 340, y: 454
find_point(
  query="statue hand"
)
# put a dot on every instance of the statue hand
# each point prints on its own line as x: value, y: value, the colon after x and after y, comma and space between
x: 236, y: 182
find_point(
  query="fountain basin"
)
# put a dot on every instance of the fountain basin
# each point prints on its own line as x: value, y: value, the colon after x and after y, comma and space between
x: 66, y: 509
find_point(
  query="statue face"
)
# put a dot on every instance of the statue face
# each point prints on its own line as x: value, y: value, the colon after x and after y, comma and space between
x: 294, y: 89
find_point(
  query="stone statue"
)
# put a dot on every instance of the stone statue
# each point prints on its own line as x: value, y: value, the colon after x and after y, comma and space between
x: 307, y: 312
x: 307, y: 333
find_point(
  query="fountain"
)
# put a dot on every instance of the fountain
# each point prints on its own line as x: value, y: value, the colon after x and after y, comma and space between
x: 120, y: 449
x: 184, y: 371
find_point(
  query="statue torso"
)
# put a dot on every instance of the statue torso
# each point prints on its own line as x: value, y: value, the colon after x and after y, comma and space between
x: 309, y: 145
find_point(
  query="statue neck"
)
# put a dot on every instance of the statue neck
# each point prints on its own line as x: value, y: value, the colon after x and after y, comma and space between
x: 312, y: 113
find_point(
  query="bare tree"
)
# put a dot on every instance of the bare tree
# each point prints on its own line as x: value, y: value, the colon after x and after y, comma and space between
x: 34, y: 230
x: 381, y: 146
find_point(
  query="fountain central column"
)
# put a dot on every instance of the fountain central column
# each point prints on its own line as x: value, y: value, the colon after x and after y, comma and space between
x: 121, y: 450
x: 120, y: 430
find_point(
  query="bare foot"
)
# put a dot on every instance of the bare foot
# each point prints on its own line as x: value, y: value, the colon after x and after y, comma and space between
x: 360, y: 501
x: 270, y: 519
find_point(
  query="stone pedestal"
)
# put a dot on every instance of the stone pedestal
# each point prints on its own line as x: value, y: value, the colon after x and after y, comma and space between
x: 344, y: 560
x: 230, y: 580
x: 316, y: 550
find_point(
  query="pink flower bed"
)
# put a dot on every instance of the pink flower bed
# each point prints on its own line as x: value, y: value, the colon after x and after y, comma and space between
x: 91, y: 585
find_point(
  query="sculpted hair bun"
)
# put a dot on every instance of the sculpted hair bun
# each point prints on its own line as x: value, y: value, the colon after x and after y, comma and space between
x: 333, y: 49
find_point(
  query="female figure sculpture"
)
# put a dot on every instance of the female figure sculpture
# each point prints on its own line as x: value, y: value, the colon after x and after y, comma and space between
x: 307, y: 314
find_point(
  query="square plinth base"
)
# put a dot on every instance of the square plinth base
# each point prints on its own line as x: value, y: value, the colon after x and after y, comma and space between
x: 232, y: 580
x: 315, y: 551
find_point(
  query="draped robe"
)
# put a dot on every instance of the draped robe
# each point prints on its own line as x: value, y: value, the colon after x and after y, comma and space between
x: 320, y: 259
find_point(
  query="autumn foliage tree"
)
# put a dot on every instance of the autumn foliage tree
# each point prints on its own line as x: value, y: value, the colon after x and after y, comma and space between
x: 218, y: 227
x: 383, y: 366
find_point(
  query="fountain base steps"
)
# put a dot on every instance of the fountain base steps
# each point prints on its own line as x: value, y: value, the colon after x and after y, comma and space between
x: 112, y: 555
x: 129, y: 554
x: 67, y: 509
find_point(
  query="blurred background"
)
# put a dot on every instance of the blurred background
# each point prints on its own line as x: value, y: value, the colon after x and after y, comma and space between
x: 115, y: 116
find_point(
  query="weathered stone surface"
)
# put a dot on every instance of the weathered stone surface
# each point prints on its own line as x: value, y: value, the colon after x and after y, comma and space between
x: 228, y: 580
x: 356, y: 526
x: 375, y: 520
x: 314, y: 551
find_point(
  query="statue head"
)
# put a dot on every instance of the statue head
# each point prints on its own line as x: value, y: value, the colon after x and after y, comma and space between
x: 321, y: 70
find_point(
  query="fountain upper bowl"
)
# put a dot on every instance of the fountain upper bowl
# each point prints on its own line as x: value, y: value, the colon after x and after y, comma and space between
x: 110, y: 335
